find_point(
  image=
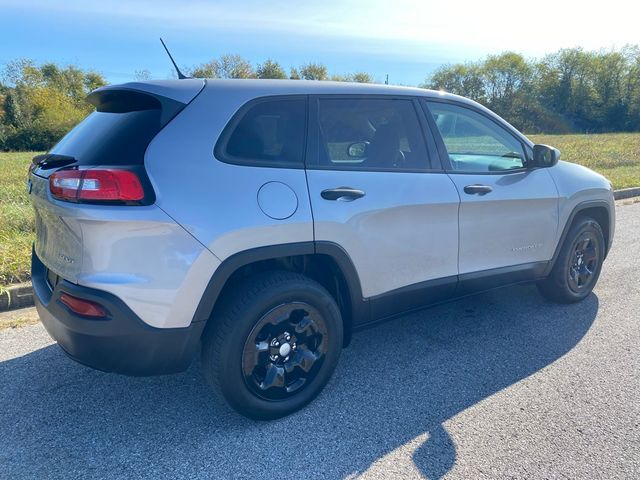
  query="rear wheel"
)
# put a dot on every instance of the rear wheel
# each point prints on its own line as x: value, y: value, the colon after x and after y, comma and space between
x: 273, y: 344
x: 578, y: 265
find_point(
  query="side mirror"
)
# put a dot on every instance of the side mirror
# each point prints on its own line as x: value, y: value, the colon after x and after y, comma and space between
x: 357, y: 150
x: 545, y: 156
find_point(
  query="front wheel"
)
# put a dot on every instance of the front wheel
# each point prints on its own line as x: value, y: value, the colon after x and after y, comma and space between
x: 273, y: 344
x: 578, y: 265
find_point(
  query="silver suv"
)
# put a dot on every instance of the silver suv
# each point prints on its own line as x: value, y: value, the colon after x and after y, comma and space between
x: 262, y: 222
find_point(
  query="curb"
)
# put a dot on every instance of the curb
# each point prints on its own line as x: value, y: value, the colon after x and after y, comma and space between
x: 626, y: 193
x: 16, y: 296
x: 21, y: 296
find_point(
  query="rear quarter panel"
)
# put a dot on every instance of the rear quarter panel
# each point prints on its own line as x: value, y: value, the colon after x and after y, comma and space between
x: 214, y: 201
x: 138, y: 254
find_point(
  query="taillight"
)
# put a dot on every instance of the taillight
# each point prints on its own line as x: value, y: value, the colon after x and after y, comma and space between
x: 83, y: 307
x: 106, y: 185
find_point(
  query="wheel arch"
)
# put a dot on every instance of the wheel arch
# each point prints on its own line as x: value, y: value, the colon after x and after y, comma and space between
x: 599, y: 210
x: 325, y: 262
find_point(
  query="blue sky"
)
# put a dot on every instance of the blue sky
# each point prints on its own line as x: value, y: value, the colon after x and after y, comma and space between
x: 405, y: 38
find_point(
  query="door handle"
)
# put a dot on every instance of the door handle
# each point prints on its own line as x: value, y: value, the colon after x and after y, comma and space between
x: 342, y: 194
x: 477, y: 189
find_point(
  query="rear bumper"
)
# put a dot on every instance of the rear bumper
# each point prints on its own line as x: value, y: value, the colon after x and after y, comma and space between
x: 120, y: 343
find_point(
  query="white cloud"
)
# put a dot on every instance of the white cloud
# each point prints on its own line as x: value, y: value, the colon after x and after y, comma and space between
x: 490, y: 25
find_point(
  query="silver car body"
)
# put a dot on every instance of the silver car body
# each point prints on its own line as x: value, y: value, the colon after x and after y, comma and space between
x: 409, y: 228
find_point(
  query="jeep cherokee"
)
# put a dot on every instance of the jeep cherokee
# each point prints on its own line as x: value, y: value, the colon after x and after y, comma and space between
x: 262, y: 222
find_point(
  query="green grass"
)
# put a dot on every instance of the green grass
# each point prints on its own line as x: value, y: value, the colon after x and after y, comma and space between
x: 616, y: 156
x: 16, y: 218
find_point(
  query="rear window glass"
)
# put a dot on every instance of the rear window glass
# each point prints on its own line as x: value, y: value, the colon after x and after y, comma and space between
x: 371, y: 134
x: 110, y: 138
x: 267, y: 133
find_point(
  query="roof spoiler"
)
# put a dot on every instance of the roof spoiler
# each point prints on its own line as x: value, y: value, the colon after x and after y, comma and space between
x: 169, y: 96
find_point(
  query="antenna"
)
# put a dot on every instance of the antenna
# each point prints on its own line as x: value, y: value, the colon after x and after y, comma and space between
x: 181, y: 75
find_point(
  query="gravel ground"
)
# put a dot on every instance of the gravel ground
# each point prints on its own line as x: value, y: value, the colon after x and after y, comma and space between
x: 502, y: 385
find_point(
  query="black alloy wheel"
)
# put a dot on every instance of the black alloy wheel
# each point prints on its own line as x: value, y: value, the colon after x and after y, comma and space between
x: 584, y: 261
x: 578, y: 264
x: 284, y: 351
x: 272, y: 344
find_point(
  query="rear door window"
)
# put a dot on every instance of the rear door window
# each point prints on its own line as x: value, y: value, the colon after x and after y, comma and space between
x: 370, y: 134
x: 267, y: 132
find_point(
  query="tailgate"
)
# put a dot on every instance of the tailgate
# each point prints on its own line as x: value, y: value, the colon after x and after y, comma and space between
x: 58, y: 241
x: 117, y: 134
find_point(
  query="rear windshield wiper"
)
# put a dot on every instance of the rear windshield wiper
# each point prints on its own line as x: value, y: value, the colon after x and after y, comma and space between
x: 52, y: 160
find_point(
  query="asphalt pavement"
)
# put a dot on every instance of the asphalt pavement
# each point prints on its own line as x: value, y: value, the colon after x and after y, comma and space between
x: 500, y: 385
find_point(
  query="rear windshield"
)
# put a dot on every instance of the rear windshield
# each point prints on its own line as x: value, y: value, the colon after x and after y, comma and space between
x: 105, y: 138
x: 120, y: 129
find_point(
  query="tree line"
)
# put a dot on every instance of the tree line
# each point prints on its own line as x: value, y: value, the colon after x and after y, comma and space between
x: 40, y: 103
x: 234, y: 66
x: 571, y: 90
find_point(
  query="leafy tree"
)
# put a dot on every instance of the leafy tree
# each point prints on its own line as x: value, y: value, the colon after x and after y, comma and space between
x: 206, y: 70
x: 632, y: 88
x: 13, y: 116
x: 41, y: 103
x: 234, y: 66
x: 142, y: 75
x: 361, y: 77
x: 270, y: 69
x: 569, y: 90
x: 227, y: 66
x: 336, y: 77
x: 358, y: 77
x: 314, y: 71
x: 462, y: 79
x: 93, y: 80
x: 505, y: 76
x: 294, y: 74
x: 563, y: 82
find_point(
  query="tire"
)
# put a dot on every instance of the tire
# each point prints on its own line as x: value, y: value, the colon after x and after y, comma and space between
x: 273, y: 344
x: 582, y: 252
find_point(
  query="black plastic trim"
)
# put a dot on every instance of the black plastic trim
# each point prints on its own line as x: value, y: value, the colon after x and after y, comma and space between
x: 234, y: 262
x: 360, y: 306
x: 576, y: 210
x: 121, y: 342
x: 412, y: 297
x: 123, y: 99
x: 368, y: 311
x: 474, y: 282
x: 443, y: 290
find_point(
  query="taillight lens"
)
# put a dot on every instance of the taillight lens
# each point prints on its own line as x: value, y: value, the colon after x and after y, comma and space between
x: 83, y: 307
x: 106, y: 185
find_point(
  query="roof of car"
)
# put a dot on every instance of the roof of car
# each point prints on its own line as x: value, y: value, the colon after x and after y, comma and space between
x: 185, y: 89
x: 259, y: 87
x: 285, y: 87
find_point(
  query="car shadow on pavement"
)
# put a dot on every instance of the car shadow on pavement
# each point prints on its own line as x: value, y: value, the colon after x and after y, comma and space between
x: 395, y: 386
